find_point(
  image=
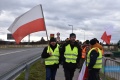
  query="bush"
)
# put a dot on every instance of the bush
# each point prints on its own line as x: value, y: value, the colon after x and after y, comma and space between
x: 116, y: 54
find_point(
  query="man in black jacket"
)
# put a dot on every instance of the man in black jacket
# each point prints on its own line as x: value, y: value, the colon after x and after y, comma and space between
x: 51, y: 55
x: 94, y: 60
x: 71, y: 54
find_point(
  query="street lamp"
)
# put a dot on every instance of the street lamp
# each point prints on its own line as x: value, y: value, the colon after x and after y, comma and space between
x: 72, y: 27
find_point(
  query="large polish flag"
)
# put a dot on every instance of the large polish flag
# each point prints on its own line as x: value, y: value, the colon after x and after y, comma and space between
x: 29, y: 22
x: 84, y: 72
x: 107, y: 34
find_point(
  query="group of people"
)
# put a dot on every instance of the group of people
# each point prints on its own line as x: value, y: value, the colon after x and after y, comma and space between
x: 72, y: 54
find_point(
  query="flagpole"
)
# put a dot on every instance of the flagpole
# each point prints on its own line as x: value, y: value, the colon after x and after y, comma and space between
x: 45, y: 26
x: 103, y: 42
x: 44, y: 22
x: 29, y: 39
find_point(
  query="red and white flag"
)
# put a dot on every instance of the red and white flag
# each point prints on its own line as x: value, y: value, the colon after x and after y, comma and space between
x: 107, y: 34
x: 84, y: 72
x: 29, y: 22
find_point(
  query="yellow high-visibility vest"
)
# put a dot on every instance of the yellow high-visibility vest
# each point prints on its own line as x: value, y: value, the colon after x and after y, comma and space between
x: 98, y: 63
x: 70, y: 55
x: 54, y: 59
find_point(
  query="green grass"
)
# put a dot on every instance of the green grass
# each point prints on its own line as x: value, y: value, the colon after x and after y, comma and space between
x: 106, y: 77
x: 37, y: 72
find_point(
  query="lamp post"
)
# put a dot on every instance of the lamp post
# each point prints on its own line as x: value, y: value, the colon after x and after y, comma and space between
x: 72, y: 27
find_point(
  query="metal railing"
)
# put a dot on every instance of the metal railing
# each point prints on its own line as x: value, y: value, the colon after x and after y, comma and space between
x: 21, y: 46
x: 17, y: 70
x: 111, y: 68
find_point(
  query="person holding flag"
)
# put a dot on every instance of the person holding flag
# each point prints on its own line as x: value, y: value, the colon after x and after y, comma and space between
x: 51, y: 54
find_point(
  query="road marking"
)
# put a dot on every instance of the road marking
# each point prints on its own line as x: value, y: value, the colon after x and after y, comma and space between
x: 12, y: 52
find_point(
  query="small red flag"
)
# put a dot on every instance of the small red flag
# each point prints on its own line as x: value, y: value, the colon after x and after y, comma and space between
x: 106, y: 37
x: 107, y: 34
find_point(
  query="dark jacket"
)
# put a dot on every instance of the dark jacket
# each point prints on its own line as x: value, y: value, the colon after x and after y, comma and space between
x: 46, y: 55
x: 70, y: 65
x: 93, y: 57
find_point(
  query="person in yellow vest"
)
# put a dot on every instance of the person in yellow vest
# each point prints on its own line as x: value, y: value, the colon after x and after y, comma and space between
x: 100, y: 46
x: 85, y: 49
x: 71, y: 54
x: 51, y: 54
x: 94, y: 60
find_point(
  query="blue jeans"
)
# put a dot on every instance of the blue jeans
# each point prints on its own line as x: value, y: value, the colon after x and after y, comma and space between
x: 50, y: 73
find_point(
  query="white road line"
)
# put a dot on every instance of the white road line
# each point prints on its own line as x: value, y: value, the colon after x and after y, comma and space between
x: 13, y: 52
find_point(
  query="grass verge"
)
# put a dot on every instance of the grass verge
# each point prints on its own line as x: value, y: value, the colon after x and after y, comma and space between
x: 106, y: 77
x: 37, y: 72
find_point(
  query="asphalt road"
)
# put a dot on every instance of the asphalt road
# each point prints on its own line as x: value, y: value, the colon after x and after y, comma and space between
x: 12, y: 57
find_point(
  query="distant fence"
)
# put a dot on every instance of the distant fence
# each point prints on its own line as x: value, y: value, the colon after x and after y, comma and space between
x: 110, y: 47
x: 111, y: 68
x: 20, y: 46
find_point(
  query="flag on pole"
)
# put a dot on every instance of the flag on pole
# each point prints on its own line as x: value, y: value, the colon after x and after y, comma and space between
x: 107, y: 34
x: 84, y: 72
x: 29, y: 22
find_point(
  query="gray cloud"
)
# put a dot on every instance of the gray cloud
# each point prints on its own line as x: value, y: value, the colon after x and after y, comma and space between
x: 89, y: 16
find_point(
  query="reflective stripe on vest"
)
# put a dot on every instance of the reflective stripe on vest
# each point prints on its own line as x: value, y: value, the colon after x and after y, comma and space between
x: 70, y: 55
x: 54, y: 59
x: 98, y: 63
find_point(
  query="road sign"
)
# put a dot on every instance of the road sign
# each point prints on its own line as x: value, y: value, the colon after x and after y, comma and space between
x: 10, y: 37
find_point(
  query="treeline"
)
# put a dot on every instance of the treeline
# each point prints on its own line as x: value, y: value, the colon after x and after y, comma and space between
x: 22, y: 43
x: 42, y: 41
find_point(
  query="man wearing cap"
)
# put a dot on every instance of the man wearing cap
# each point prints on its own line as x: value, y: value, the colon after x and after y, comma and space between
x: 51, y: 55
x: 94, y: 60
x: 71, y: 54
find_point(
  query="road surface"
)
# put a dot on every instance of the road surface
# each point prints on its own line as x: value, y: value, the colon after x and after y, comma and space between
x: 12, y: 57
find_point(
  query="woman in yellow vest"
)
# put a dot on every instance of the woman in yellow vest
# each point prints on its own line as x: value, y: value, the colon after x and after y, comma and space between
x: 94, y: 60
x: 51, y: 55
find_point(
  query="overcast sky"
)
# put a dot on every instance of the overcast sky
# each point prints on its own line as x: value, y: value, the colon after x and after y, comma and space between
x: 88, y: 17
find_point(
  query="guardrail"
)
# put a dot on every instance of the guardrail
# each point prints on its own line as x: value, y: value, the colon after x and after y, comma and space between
x: 111, y: 68
x: 20, y: 46
x: 14, y: 72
